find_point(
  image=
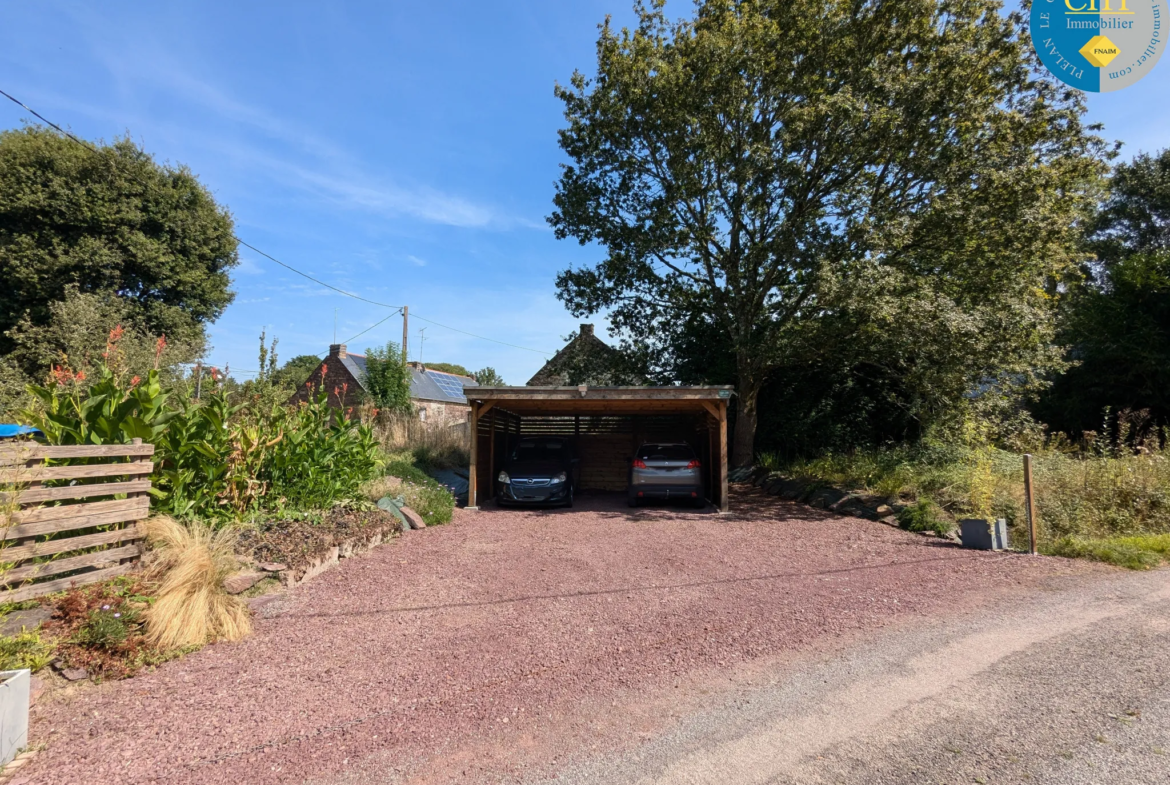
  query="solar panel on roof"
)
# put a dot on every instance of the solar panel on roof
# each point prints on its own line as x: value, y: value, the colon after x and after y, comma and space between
x: 450, y: 385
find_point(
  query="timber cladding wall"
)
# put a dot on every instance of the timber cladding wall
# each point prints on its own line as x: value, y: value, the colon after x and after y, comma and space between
x: 70, y: 515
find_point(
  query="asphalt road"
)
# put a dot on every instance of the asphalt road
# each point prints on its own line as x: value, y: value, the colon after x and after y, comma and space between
x: 1068, y: 685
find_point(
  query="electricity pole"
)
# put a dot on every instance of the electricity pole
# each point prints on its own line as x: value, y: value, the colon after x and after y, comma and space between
x: 405, y: 327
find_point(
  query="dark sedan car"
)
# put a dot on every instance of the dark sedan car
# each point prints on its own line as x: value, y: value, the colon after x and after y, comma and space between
x: 538, y: 471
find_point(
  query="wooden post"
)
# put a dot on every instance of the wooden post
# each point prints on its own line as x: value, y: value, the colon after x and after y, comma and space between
x: 472, y: 475
x: 1030, y: 501
x: 491, y: 494
x: 723, y: 502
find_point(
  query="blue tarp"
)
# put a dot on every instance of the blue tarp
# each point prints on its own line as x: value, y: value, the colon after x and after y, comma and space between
x: 12, y: 431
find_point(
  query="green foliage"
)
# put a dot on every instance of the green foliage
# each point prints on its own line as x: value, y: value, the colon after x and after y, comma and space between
x: 925, y: 516
x: 1134, y: 553
x: 113, y: 408
x: 422, y: 492
x: 785, y: 175
x: 1083, y: 496
x: 296, y: 371
x: 75, y: 337
x: 25, y: 650
x: 387, y: 379
x: 217, y: 459
x: 449, y: 368
x: 487, y: 377
x: 107, y: 627
x: 114, y: 221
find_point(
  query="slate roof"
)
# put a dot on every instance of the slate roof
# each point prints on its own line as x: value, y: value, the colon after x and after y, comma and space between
x: 425, y: 384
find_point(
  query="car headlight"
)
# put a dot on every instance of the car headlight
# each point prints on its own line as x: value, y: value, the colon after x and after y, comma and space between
x: 504, y: 477
x: 560, y: 477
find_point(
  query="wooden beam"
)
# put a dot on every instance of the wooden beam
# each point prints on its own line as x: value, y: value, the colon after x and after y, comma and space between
x: 49, y: 547
x: 711, y: 408
x: 34, y: 495
x: 50, y: 520
x: 723, y: 502
x: 485, y: 407
x: 11, y: 454
x: 38, y: 473
x: 491, y: 456
x: 61, y: 584
x: 58, y: 566
x: 473, y: 475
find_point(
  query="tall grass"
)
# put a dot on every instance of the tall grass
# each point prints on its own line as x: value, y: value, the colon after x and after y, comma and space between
x: 435, y: 444
x: 1080, y: 496
x: 191, y: 606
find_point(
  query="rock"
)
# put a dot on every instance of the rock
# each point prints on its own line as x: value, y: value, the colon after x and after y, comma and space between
x: 271, y: 566
x: 889, y: 520
x: 825, y: 498
x: 28, y: 619
x: 789, y: 489
x: 883, y: 510
x: 268, y: 605
x: 413, y: 518
x: 242, y: 581
x: 75, y: 674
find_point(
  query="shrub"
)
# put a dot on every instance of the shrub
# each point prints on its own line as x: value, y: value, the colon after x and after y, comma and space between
x: 925, y: 516
x: 192, y: 607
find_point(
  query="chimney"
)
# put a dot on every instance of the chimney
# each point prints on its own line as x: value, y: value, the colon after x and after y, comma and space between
x: 337, y: 350
x: 586, y: 329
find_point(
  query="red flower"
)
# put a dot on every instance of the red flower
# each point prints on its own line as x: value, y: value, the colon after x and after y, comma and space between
x: 134, y: 382
x: 80, y: 376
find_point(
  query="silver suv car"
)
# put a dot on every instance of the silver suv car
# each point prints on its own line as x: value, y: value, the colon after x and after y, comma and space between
x: 666, y: 471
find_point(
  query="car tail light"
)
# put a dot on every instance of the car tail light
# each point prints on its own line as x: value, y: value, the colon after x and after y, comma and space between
x: 694, y: 465
x: 639, y: 463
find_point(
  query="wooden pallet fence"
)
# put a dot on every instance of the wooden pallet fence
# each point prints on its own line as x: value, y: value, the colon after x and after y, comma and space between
x: 69, y: 524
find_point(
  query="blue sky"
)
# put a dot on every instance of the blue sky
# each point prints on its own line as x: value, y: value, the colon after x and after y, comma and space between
x: 403, y: 151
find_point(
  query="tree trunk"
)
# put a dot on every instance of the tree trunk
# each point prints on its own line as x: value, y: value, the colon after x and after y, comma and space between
x: 744, y: 443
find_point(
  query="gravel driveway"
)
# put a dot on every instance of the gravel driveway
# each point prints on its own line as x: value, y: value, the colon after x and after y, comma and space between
x: 511, y: 643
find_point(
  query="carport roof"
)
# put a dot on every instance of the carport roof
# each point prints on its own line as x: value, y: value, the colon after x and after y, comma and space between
x: 602, y: 400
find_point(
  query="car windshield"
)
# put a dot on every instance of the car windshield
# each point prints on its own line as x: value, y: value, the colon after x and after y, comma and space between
x: 666, y: 452
x: 539, y: 450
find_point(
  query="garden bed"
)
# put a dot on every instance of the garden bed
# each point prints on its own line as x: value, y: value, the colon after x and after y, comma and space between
x: 301, y: 545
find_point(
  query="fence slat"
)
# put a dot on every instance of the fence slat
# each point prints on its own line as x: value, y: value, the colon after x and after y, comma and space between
x: 61, y: 584
x: 34, y: 495
x: 69, y: 544
x: 19, y: 453
x: 58, y: 566
x: 74, y: 472
x: 133, y: 512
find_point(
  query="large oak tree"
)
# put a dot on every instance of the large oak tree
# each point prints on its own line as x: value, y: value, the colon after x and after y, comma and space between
x: 808, y: 173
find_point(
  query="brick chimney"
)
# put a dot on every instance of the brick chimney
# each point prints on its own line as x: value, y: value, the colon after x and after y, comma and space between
x: 586, y: 329
x: 337, y: 350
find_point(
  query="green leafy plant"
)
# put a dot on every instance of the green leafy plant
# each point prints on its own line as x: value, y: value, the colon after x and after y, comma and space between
x: 107, y: 627
x: 925, y: 516
x: 25, y: 650
x: 387, y: 379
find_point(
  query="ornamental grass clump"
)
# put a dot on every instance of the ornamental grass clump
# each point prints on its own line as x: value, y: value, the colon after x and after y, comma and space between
x: 192, y: 607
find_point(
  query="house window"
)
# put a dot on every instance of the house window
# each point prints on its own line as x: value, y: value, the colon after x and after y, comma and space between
x: 422, y: 413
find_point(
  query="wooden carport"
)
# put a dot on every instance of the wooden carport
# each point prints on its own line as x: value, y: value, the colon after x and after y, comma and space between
x: 608, y: 424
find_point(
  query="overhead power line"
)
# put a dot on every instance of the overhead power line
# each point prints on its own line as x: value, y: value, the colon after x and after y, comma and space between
x: 397, y: 308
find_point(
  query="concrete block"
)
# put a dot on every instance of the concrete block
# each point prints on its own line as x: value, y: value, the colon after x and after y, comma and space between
x: 983, y: 535
x: 14, y: 700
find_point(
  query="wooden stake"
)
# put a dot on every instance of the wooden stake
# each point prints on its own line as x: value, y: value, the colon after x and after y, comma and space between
x: 473, y: 475
x: 1030, y: 500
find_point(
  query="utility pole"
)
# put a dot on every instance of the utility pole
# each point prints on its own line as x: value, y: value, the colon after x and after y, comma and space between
x: 422, y: 338
x: 405, y: 327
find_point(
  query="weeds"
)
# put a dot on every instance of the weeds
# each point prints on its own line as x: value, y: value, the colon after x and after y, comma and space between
x: 25, y: 650
x: 1135, y: 553
x: 925, y: 516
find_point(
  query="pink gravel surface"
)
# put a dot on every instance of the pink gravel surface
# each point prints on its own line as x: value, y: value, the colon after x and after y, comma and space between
x: 485, y: 647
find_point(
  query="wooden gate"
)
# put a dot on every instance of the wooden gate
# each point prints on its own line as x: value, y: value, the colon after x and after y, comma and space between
x: 70, y: 514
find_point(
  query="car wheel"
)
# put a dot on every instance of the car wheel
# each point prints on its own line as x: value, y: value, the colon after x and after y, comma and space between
x: 569, y: 501
x: 699, y: 503
x: 632, y: 500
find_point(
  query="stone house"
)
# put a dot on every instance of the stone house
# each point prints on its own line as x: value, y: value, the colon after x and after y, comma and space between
x: 437, y: 396
x: 586, y: 359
